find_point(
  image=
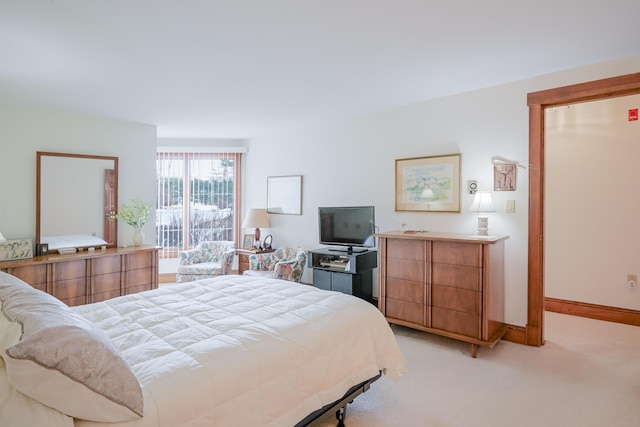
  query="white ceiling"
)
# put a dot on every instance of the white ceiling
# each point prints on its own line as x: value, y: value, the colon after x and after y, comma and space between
x: 242, y: 68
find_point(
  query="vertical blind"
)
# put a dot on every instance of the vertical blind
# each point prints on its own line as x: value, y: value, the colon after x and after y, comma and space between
x: 197, y: 199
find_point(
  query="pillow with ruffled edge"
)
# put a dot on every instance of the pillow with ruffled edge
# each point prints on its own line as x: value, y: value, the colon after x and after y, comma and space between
x: 62, y: 360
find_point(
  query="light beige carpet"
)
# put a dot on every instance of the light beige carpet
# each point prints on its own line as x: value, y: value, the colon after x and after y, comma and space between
x: 587, y: 374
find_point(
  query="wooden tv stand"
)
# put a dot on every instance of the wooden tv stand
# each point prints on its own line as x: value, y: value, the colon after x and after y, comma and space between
x: 444, y: 283
x: 89, y: 276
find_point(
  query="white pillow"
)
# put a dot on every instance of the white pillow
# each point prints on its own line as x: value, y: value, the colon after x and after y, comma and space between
x: 63, y: 360
x: 16, y: 409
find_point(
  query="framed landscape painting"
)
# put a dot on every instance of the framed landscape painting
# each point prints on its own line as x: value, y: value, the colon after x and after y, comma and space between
x: 428, y: 184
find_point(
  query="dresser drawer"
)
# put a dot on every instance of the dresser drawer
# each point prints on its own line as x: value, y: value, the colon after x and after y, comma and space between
x: 106, y: 282
x: 406, y: 249
x: 405, y: 290
x: 105, y: 265
x: 71, y: 289
x: 408, y: 311
x: 405, y: 269
x: 468, y: 254
x: 456, y: 321
x: 70, y: 270
x: 35, y: 275
x: 458, y: 276
x: 142, y: 276
x: 456, y: 299
x: 140, y: 260
x: 103, y: 296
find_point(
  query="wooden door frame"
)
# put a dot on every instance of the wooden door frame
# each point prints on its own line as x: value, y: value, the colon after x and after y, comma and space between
x: 537, y: 101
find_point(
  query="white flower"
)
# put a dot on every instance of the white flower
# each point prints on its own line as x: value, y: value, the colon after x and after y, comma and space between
x: 135, y: 214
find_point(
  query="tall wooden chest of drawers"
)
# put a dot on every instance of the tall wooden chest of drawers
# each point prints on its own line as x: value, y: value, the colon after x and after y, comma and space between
x: 444, y: 283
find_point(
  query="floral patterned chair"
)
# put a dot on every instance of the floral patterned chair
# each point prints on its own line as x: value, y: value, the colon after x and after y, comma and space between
x: 286, y: 263
x: 207, y: 259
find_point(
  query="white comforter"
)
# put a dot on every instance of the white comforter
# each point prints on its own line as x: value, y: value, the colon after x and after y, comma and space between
x: 243, y: 351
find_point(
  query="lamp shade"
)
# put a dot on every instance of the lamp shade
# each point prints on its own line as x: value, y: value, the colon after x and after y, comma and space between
x: 2, y: 238
x: 256, y: 218
x: 482, y: 202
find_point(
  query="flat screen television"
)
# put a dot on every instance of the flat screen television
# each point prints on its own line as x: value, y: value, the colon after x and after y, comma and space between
x: 350, y: 226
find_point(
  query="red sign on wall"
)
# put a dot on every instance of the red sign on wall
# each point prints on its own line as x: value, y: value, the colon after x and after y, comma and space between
x: 633, y: 114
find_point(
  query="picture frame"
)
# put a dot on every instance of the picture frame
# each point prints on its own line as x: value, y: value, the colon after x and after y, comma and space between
x: 428, y: 184
x: 284, y: 195
x: 505, y: 176
x: 248, y: 240
x: 16, y: 249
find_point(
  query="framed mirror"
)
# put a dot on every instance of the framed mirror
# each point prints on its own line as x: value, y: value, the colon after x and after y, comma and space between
x: 76, y: 196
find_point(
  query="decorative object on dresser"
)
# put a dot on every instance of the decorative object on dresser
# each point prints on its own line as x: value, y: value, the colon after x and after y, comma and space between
x: 445, y: 283
x: 247, y: 241
x: 15, y: 249
x: 344, y: 271
x: 482, y: 204
x: 428, y: 184
x: 207, y: 259
x: 135, y: 214
x: 42, y: 249
x: 89, y: 276
x: 286, y: 263
x: 256, y: 218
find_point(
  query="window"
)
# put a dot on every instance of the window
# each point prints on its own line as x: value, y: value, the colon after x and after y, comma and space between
x: 197, y: 199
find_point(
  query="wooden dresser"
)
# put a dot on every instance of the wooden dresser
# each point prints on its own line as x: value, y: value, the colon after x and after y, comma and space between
x: 89, y: 276
x: 444, y: 283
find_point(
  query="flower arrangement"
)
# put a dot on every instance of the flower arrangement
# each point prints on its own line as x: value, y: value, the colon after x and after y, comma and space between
x: 136, y: 213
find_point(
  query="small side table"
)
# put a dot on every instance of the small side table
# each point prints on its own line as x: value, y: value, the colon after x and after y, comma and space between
x: 243, y: 257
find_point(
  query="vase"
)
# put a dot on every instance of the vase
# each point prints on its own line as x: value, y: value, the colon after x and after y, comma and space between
x: 138, y: 236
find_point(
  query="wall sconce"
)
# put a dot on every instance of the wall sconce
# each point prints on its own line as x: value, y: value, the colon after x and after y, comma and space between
x: 256, y: 218
x: 482, y: 203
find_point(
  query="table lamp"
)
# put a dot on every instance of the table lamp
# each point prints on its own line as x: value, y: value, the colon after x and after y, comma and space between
x: 482, y: 204
x: 256, y: 218
x: 2, y: 238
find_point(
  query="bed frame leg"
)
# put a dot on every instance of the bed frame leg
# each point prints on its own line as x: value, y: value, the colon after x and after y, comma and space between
x: 340, y: 415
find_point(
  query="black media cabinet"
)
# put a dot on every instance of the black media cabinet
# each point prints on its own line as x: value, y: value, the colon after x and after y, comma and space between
x: 344, y: 271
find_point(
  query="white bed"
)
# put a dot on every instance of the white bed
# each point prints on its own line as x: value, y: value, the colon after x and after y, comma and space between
x: 227, y: 351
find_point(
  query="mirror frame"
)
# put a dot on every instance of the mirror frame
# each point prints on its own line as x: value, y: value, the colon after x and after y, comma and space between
x: 110, y: 227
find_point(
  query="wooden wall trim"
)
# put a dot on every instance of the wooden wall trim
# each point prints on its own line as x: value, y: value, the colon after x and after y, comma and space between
x: 537, y: 101
x: 593, y: 311
x: 599, y: 89
x: 516, y: 334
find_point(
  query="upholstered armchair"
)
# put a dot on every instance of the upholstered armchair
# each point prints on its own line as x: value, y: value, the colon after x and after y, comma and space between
x: 286, y: 263
x: 207, y: 259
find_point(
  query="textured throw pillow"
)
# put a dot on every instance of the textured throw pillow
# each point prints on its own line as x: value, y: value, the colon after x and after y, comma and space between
x: 284, y: 270
x: 61, y: 359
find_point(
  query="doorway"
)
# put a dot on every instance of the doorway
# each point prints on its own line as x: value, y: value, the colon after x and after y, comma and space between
x: 538, y: 102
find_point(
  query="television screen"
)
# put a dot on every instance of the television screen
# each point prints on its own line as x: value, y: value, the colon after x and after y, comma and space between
x: 347, y: 226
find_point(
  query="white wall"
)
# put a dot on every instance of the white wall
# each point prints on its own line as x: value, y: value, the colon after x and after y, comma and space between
x: 592, y: 205
x: 352, y: 163
x: 345, y: 163
x: 25, y: 131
